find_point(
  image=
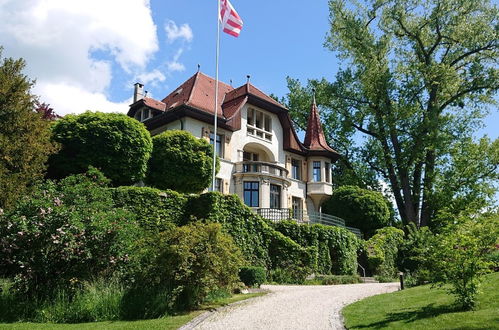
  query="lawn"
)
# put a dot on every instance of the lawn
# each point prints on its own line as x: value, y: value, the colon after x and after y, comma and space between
x: 425, y: 308
x: 168, y: 322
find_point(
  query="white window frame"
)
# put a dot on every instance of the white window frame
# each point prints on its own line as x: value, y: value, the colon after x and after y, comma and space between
x: 261, y: 129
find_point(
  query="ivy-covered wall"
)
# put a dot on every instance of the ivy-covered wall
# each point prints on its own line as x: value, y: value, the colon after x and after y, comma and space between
x: 335, y: 247
x: 300, y: 249
x: 259, y: 242
x: 155, y: 210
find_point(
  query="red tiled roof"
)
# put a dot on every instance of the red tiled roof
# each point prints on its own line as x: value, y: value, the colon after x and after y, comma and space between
x: 249, y: 89
x: 155, y: 104
x: 314, y: 137
x: 232, y: 106
x: 197, y: 92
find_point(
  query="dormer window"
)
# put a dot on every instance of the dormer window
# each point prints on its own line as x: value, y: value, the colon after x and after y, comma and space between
x: 143, y: 114
x: 259, y: 124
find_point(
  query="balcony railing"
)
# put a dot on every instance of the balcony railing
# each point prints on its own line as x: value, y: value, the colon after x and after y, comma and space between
x: 261, y: 168
x: 305, y: 217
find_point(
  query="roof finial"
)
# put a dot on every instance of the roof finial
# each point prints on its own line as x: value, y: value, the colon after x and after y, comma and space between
x: 230, y: 81
x: 145, y: 94
x: 313, y: 91
x: 199, y: 67
x: 248, y: 77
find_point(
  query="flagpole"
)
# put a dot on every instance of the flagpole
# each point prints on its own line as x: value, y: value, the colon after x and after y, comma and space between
x: 216, y: 101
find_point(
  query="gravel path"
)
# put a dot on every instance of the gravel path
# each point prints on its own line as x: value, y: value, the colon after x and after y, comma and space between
x: 294, y: 307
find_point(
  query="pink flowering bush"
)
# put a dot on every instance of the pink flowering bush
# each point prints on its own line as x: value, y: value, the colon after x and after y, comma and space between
x: 67, y: 232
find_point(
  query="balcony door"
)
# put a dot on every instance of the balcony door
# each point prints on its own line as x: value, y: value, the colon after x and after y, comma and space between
x: 251, y: 193
x: 275, y: 196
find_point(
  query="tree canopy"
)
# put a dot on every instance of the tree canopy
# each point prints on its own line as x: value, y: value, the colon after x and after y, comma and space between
x: 360, y: 208
x: 415, y: 82
x: 180, y: 162
x: 24, y: 136
x: 116, y: 144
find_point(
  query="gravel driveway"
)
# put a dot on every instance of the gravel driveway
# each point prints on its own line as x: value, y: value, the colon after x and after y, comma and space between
x: 294, y: 307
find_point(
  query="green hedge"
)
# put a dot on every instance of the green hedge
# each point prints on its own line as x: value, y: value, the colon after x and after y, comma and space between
x: 260, y: 243
x: 116, y: 144
x: 335, y: 247
x: 382, y: 250
x: 155, y: 210
x: 253, y: 276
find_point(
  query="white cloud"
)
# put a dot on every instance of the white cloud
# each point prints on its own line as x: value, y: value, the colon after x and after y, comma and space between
x: 62, y: 96
x: 153, y: 77
x: 174, y: 32
x: 174, y: 66
x: 57, y: 39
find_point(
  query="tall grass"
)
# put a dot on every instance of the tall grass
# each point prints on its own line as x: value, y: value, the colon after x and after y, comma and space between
x: 100, y: 300
x: 97, y: 301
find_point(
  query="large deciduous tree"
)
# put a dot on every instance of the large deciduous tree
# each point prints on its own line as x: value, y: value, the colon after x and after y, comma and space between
x: 415, y: 81
x: 24, y: 136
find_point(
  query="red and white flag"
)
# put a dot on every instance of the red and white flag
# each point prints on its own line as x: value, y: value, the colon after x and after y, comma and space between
x: 231, y: 22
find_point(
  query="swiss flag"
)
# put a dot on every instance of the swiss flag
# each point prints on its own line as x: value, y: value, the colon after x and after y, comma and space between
x: 231, y: 22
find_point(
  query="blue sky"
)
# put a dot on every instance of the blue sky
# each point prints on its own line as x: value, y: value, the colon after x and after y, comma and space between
x: 87, y: 54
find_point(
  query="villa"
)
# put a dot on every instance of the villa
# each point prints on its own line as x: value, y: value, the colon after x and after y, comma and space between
x: 261, y: 157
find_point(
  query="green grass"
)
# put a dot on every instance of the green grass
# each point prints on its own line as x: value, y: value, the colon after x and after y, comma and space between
x: 99, y: 301
x: 167, y: 322
x: 425, y: 308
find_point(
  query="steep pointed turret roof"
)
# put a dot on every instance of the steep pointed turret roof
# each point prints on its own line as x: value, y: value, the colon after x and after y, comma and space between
x: 315, y: 141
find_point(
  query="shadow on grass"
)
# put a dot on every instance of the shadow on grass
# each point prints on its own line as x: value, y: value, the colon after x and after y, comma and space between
x: 412, y: 315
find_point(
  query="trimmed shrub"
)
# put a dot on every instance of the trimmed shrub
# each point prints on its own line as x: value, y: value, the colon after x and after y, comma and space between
x: 191, y: 261
x: 114, y: 143
x: 180, y: 162
x: 382, y: 250
x: 335, y: 247
x: 66, y: 233
x: 360, y: 208
x: 154, y: 209
x: 253, y: 276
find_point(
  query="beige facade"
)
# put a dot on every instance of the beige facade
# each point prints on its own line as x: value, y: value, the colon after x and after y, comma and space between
x: 257, y: 157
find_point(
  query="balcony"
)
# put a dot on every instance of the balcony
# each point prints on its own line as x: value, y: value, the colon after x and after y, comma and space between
x: 261, y: 169
x: 319, y: 188
x: 302, y: 216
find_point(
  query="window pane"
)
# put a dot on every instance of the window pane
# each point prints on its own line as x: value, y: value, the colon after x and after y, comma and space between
x: 328, y: 172
x: 247, y: 198
x: 254, y: 198
x: 295, y: 169
x: 251, y: 117
x: 317, y: 171
x: 251, y: 193
x: 267, y: 123
x: 275, y: 196
x: 259, y: 120
x: 219, y: 144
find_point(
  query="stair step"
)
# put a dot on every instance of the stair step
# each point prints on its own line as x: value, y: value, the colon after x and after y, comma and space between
x: 369, y: 280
